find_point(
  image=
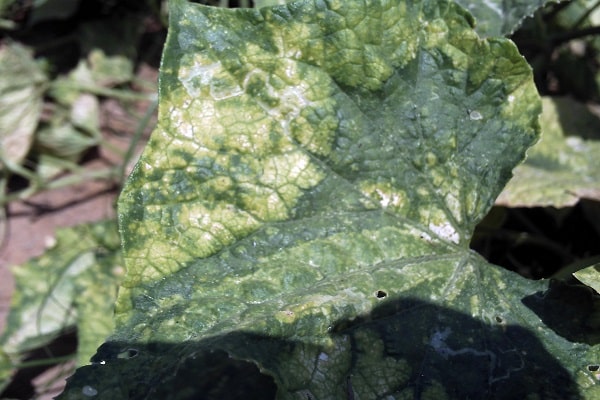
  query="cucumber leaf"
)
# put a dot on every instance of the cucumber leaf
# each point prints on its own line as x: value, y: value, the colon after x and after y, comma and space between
x: 501, y: 18
x: 563, y: 166
x: 306, y: 202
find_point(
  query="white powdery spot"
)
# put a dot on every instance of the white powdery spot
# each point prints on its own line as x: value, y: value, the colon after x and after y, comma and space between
x: 200, y: 72
x: 475, y: 115
x: 197, y: 75
x: 445, y: 231
x: 388, y: 199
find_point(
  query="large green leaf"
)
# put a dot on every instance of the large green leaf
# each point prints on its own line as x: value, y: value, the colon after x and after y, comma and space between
x: 563, y: 167
x: 306, y: 204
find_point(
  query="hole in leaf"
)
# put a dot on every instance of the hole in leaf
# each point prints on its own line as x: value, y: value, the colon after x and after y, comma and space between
x: 380, y: 294
x: 593, y: 367
x: 499, y: 319
x: 129, y: 353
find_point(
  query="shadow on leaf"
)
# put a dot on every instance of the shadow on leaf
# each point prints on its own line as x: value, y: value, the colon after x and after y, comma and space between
x: 572, y: 311
x: 405, y: 348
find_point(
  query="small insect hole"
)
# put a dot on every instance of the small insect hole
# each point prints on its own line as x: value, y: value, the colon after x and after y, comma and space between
x: 593, y: 368
x: 127, y: 354
x: 499, y: 320
x: 380, y: 294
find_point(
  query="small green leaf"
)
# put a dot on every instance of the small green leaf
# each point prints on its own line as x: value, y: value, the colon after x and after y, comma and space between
x: 22, y: 86
x: 59, y: 143
x: 562, y: 168
x: 110, y: 71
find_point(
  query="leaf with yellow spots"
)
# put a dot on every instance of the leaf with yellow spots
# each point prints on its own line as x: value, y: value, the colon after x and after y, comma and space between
x: 305, y: 205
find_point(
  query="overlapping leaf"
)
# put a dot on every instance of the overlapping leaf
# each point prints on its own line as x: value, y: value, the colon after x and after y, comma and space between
x: 564, y: 166
x: 500, y: 18
x: 306, y: 204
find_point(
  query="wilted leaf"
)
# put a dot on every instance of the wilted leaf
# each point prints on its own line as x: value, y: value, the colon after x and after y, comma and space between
x: 22, y: 85
x: 85, y: 114
x: 306, y: 203
x: 562, y: 167
x: 110, y: 71
x: 80, y: 272
x: 56, y: 144
x: 97, y: 71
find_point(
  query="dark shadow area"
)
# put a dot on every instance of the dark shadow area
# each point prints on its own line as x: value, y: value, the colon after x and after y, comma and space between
x: 577, y: 120
x: 405, y: 348
x: 62, y: 35
x: 579, y: 316
x: 562, y: 53
x: 538, y: 242
x: 21, y: 386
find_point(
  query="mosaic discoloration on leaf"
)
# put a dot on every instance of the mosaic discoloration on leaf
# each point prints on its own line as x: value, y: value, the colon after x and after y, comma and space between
x: 310, y: 192
x: 563, y: 167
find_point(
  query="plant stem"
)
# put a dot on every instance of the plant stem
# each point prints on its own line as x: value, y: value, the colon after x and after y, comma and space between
x: 586, y: 14
x: 108, y: 173
x: 136, y: 138
x: 115, y: 93
x: 568, y: 36
x: 44, y: 361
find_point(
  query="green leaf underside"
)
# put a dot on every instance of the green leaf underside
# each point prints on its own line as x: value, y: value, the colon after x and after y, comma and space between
x: 562, y: 167
x: 306, y: 203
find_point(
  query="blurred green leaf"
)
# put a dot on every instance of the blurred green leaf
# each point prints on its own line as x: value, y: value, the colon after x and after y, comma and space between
x: 44, y: 10
x: 267, y: 3
x: 98, y: 71
x: 72, y: 285
x: 562, y: 167
x: 58, y: 145
x: 85, y: 114
x: 22, y: 86
x: 110, y: 71
x: 590, y: 276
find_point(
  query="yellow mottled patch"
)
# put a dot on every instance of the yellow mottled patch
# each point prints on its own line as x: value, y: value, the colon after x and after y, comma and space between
x: 384, y: 194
